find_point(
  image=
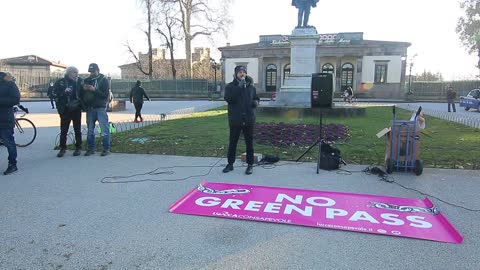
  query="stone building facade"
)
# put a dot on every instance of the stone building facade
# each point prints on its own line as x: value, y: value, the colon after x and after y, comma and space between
x: 376, y: 68
x: 32, y: 64
x: 32, y: 73
x: 201, y: 66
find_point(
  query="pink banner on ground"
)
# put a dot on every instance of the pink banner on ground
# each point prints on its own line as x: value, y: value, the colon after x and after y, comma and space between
x: 331, y: 210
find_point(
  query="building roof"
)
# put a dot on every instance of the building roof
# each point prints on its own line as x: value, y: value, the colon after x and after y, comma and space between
x: 363, y: 43
x: 241, y: 47
x: 346, y: 39
x: 32, y: 60
x: 128, y: 65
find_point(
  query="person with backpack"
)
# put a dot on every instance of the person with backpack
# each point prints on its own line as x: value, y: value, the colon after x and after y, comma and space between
x: 136, y: 97
x: 69, y: 107
x: 95, y: 95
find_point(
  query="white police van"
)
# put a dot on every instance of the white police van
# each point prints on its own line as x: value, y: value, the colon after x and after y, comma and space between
x: 472, y: 100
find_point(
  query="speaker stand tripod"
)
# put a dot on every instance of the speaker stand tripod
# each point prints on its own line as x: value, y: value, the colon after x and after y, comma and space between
x: 317, y: 142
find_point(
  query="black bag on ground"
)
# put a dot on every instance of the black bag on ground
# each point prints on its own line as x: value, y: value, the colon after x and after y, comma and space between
x: 330, y: 158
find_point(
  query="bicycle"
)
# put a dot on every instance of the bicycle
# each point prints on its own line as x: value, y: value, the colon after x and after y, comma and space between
x: 25, y: 130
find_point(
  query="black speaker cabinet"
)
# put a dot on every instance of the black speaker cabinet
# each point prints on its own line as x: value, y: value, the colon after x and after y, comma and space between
x: 322, y: 90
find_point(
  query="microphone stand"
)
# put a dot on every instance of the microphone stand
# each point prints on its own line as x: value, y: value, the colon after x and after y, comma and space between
x: 318, y: 142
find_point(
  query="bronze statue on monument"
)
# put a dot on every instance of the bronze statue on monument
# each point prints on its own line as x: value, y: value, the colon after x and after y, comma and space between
x: 304, y: 7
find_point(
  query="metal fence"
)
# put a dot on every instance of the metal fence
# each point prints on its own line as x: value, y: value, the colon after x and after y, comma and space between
x: 32, y: 83
x: 438, y: 90
x: 165, y: 88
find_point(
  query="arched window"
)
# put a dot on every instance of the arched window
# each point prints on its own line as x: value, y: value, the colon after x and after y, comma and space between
x: 271, y: 78
x: 328, y: 68
x: 347, y: 76
x: 286, y: 72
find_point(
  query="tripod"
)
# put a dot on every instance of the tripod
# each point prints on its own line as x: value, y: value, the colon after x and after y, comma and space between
x: 317, y: 142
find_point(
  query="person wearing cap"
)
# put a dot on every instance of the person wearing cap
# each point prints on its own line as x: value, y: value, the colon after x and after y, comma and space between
x: 242, y: 100
x: 9, y: 97
x: 69, y: 106
x: 451, y: 95
x: 95, y: 97
x: 136, y: 97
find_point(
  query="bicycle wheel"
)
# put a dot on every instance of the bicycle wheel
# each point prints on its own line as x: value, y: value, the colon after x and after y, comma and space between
x: 25, y: 132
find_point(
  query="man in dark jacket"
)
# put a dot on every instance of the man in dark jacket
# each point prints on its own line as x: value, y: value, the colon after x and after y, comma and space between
x: 95, y: 97
x: 242, y: 100
x: 136, y: 96
x: 50, y: 94
x: 9, y: 97
x: 69, y: 107
x: 451, y: 95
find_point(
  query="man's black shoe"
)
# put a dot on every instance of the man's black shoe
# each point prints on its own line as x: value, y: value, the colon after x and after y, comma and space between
x: 249, y: 169
x: 89, y: 152
x: 77, y: 152
x: 228, y: 168
x: 11, y: 168
x: 61, y: 153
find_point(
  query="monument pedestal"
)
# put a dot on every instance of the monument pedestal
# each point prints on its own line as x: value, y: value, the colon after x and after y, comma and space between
x: 296, y: 90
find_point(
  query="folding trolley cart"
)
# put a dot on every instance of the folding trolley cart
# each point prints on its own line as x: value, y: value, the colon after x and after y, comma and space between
x: 402, y: 149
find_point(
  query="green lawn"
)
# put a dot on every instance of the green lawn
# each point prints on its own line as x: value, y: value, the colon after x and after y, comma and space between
x: 443, y: 144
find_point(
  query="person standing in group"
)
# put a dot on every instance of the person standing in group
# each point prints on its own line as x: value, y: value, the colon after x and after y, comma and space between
x: 50, y: 94
x: 136, y: 97
x: 242, y: 100
x: 69, y: 107
x: 95, y: 97
x: 9, y: 97
x: 451, y: 95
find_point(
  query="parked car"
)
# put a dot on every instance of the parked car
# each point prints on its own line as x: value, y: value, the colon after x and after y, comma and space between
x: 472, y: 100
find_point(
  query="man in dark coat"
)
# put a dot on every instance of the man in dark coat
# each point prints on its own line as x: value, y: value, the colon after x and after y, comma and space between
x: 304, y: 7
x: 136, y: 96
x: 9, y: 97
x: 242, y: 100
x: 451, y: 95
x: 69, y: 107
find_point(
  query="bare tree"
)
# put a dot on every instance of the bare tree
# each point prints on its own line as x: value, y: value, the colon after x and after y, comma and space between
x: 168, y: 27
x: 201, y: 18
x: 149, y: 6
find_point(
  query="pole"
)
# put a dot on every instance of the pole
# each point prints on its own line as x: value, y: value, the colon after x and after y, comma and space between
x: 319, y: 144
x: 215, y: 75
x: 410, y: 79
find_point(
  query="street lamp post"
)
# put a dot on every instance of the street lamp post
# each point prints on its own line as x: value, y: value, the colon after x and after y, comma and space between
x: 410, y: 75
x: 214, y: 66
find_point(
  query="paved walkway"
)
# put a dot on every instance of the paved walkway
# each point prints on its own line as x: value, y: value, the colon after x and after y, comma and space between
x: 55, y: 214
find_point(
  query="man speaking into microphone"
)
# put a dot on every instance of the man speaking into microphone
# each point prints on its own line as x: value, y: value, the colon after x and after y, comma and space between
x: 242, y: 100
